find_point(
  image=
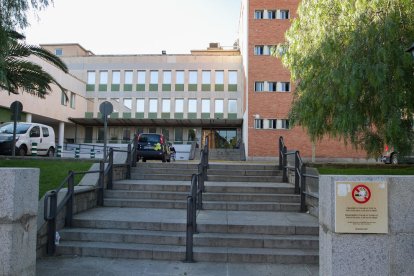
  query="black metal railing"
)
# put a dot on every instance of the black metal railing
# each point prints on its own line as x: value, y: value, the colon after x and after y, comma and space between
x: 195, y: 202
x: 52, y: 208
x: 299, y: 169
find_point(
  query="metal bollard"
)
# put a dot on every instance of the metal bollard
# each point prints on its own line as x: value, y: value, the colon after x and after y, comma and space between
x: 34, y: 149
x: 77, y: 150
x: 92, y: 153
x: 59, y: 151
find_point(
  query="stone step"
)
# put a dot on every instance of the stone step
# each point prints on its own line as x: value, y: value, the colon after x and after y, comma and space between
x: 146, y: 203
x: 241, y: 166
x: 252, y: 197
x: 171, y: 165
x: 152, y: 185
x: 248, y: 187
x: 122, y: 194
x: 251, y: 206
x: 158, y: 170
x: 240, y: 178
x: 177, y: 253
x: 256, y: 241
x: 200, y: 239
x: 243, y: 172
x: 161, y: 176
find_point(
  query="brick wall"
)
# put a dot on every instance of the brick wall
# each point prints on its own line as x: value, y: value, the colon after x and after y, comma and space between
x: 276, y: 105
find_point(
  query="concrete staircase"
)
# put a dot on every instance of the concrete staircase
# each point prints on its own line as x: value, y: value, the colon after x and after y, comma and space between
x: 242, y: 221
x: 225, y: 154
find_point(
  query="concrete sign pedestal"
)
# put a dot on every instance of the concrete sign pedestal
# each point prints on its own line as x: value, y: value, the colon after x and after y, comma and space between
x: 19, y: 190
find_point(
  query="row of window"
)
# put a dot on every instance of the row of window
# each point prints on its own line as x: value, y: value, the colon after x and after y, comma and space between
x: 152, y: 105
x: 271, y: 14
x: 271, y: 86
x: 141, y: 77
x: 68, y: 98
x: 271, y: 124
x: 264, y: 50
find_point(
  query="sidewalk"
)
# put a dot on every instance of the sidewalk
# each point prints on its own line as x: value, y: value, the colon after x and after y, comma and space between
x: 89, y: 266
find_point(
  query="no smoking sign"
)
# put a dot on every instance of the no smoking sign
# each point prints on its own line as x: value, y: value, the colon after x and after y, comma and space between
x: 361, y: 194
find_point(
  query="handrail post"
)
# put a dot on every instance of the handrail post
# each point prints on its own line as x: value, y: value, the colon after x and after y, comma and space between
x: 129, y: 162
x: 101, y: 184
x: 284, y: 169
x: 51, y: 225
x: 111, y: 168
x: 303, y: 189
x: 189, y: 232
x: 194, y: 196
x: 200, y: 191
x: 280, y: 153
x: 297, y: 172
x: 134, y: 152
x: 69, y: 204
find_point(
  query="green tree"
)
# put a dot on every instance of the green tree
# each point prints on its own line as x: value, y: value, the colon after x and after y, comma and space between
x: 17, y: 72
x: 13, y: 13
x: 354, y: 80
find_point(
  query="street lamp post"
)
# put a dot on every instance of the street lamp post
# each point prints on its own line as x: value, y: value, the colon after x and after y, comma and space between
x: 411, y: 50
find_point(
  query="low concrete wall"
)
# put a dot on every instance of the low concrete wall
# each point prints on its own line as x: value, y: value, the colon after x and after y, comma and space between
x: 368, y: 254
x: 86, y: 196
x: 18, y: 218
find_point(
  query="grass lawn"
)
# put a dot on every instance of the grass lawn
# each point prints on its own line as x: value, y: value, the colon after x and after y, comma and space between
x: 364, y: 169
x: 52, y: 171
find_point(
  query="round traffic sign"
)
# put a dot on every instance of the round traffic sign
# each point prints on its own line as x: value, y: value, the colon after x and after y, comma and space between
x: 361, y: 194
x: 106, y: 108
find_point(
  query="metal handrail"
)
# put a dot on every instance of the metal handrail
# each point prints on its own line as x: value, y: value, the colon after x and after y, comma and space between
x: 300, y: 172
x: 51, y: 208
x: 195, y: 202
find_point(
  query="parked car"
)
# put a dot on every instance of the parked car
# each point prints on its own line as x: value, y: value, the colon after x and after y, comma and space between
x: 391, y: 156
x: 152, y: 146
x: 26, y: 135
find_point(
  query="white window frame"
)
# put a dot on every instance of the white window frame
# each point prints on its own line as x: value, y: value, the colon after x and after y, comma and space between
x: 116, y: 77
x: 205, y: 106
x: 206, y: 77
x: 127, y: 102
x: 166, y: 78
x: 192, y: 105
x: 141, y: 77
x: 271, y: 14
x: 103, y: 77
x: 166, y: 106
x: 233, y: 77
x: 258, y: 86
x: 259, y: 50
x: 232, y: 106
x: 91, y: 77
x: 154, y: 77
x: 179, y: 77
x: 258, y: 123
x: 153, y: 106
x: 179, y: 105
x: 258, y: 14
x: 219, y: 77
x: 140, y: 106
x: 219, y: 106
x: 129, y: 74
x: 191, y: 75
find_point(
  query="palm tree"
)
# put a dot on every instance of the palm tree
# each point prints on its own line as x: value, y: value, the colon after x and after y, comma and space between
x: 16, y: 72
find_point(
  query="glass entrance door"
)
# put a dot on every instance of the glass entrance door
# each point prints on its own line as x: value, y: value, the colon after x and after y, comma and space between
x: 221, y: 138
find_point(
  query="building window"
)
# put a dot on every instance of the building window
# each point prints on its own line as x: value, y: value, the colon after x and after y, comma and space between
x: 232, y: 106
x: 192, y: 79
x: 232, y: 77
x: 72, y: 100
x: 103, y: 77
x: 154, y: 77
x: 179, y: 105
x: 258, y: 123
x: 284, y: 124
x: 167, y: 77
x: 272, y: 86
x: 91, y: 77
x: 259, y: 50
x: 205, y: 106
x: 259, y: 86
x: 179, y: 77
x: 128, y: 77
x: 58, y: 51
x: 206, y: 77
x: 271, y: 14
x: 219, y: 106
x: 128, y: 104
x: 258, y: 14
x: 63, y: 99
x: 219, y: 77
x: 272, y: 123
x: 140, y: 105
x: 116, y: 77
x: 284, y: 87
x: 166, y: 105
x: 153, y: 105
x: 141, y: 77
x: 284, y: 14
x: 192, y: 106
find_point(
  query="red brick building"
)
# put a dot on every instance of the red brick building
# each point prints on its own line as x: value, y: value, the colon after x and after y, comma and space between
x: 269, y: 89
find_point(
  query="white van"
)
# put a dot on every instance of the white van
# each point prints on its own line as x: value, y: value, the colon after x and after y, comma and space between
x: 26, y: 135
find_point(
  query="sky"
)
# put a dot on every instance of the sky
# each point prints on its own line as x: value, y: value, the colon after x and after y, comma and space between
x: 136, y: 26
